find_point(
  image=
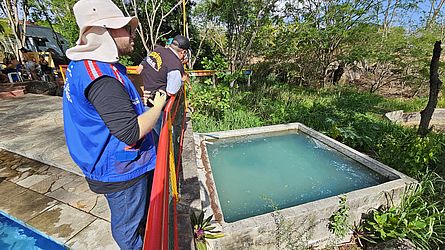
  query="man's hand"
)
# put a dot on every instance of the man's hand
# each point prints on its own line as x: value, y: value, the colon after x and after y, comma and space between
x: 186, y: 80
x: 148, y: 119
x: 147, y: 95
x: 159, y: 99
x: 139, y: 69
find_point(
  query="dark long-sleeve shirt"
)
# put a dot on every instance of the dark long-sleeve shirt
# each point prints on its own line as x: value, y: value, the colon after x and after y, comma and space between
x: 112, y: 102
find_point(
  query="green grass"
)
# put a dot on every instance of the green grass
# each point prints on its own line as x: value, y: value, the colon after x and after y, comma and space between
x: 344, y: 114
x: 276, y: 104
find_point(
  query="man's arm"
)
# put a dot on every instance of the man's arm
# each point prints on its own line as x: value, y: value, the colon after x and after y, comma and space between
x: 174, y: 82
x: 148, y: 120
x: 141, y: 66
x: 139, y: 69
x: 114, y: 106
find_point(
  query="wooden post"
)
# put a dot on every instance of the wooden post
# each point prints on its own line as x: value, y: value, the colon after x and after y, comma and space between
x: 435, y: 85
x: 214, y: 80
x: 248, y: 81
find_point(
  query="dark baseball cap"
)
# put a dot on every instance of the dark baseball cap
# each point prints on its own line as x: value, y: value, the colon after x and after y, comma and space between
x: 182, y: 42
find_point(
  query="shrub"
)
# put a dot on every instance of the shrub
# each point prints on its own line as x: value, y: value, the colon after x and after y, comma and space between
x: 211, y: 101
x: 203, y: 230
x: 338, y: 222
x: 404, y: 150
x: 420, y: 217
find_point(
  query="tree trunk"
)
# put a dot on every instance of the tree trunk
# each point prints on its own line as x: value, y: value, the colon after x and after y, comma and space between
x: 48, y: 20
x: 435, y: 85
x: 11, y: 10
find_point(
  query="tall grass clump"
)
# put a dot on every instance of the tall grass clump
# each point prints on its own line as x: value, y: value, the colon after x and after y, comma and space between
x: 420, y: 217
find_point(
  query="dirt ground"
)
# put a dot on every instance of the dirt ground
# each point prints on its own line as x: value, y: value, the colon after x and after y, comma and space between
x: 393, y: 90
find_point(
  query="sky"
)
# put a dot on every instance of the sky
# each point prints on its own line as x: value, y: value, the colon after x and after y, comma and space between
x: 416, y: 15
x: 404, y: 18
x: 407, y: 19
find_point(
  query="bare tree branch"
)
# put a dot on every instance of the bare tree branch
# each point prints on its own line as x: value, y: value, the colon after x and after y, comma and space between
x: 434, y: 12
x: 11, y: 7
x: 154, y: 14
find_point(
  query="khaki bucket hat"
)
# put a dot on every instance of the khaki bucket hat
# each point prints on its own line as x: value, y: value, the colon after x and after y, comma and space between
x: 94, y: 17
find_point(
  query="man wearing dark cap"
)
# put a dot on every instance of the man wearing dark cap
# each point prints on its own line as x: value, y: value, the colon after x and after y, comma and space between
x: 163, y: 69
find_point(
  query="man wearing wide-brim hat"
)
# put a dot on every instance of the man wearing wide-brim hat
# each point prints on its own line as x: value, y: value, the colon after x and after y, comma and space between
x: 107, y: 131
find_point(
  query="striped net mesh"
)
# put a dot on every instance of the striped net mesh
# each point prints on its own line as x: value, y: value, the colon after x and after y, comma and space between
x: 161, y: 228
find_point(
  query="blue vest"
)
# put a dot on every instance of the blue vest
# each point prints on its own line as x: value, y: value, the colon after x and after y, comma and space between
x: 99, y: 154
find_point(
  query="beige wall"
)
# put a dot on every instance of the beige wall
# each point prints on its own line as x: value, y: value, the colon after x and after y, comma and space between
x: 35, y: 55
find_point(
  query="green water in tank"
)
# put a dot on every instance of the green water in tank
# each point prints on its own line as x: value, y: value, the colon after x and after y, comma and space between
x: 256, y: 175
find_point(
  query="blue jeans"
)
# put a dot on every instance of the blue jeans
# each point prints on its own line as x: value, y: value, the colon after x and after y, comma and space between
x: 129, y: 213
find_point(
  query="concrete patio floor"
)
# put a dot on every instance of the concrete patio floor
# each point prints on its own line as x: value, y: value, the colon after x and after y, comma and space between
x: 45, y: 189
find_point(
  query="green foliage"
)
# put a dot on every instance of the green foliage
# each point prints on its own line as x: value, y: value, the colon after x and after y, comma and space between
x: 203, y: 230
x: 346, y: 115
x: 232, y: 119
x: 420, y: 217
x: 404, y: 150
x: 211, y: 101
x: 338, y: 222
x: 223, y: 75
x: 309, y: 39
x: 296, y: 47
x: 353, y: 118
x: 233, y: 26
x: 57, y: 13
x: 5, y: 33
x: 4, y: 27
x: 217, y: 62
x: 406, y: 53
x: 126, y: 61
x: 300, y: 43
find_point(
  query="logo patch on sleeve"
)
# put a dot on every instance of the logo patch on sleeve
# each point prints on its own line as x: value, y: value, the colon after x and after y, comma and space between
x: 154, y: 60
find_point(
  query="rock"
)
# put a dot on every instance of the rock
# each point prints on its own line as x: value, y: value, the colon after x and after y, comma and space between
x: 59, y: 91
x: 395, y: 116
x: 394, y: 244
x: 41, y: 87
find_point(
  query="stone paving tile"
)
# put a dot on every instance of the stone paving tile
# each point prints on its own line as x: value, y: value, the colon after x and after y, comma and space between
x: 32, y: 180
x: 72, y: 186
x: 101, y: 209
x: 76, y: 194
x: 55, y: 171
x: 61, y: 222
x: 8, y: 172
x: 24, y: 187
x: 38, y: 178
x: 26, y: 205
x: 9, y: 190
x: 97, y: 235
x: 54, y: 181
x: 17, y: 168
x: 44, y: 185
x: 23, y: 173
x: 62, y: 179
